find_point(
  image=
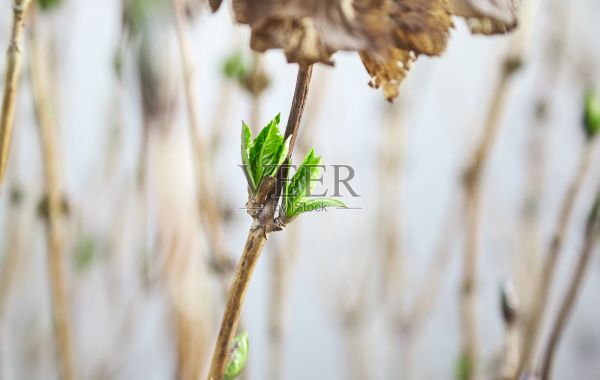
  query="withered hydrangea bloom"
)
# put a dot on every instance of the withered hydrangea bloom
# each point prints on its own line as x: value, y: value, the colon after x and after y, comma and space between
x: 388, y: 34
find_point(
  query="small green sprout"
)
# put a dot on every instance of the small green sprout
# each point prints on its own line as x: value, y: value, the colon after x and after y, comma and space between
x: 297, y: 198
x: 591, y: 117
x: 234, y: 67
x: 262, y: 158
x: 250, y: 76
x: 239, y: 356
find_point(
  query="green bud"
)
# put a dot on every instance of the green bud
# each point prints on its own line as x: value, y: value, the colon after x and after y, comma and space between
x: 239, y: 356
x: 464, y: 369
x: 591, y: 116
x: 509, y: 303
x: 85, y: 253
x: 48, y: 4
x: 234, y: 67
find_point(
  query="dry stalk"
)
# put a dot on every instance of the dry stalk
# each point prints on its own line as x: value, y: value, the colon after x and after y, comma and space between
x: 206, y: 194
x: 544, y: 283
x: 592, y: 236
x: 54, y: 223
x: 389, y: 227
x: 527, y: 256
x: 472, y: 189
x: 11, y: 81
x: 14, y: 245
x: 389, y: 210
x: 420, y: 311
x: 472, y: 212
x: 257, y: 237
x: 510, y: 315
x: 184, y: 279
x: 350, y: 307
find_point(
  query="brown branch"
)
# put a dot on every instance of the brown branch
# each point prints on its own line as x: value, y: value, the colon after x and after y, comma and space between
x: 298, y: 103
x: 54, y: 223
x: 544, y: 283
x: 592, y: 236
x: 257, y: 236
x: 11, y: 82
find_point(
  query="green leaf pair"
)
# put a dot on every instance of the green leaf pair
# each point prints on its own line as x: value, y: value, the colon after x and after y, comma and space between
x: 297, y: 198
x: 239, y: 356
x: 262, y: 156
x: 591, y: 114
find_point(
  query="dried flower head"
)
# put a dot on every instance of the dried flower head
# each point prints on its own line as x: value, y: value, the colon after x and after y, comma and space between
x: 388, y: 34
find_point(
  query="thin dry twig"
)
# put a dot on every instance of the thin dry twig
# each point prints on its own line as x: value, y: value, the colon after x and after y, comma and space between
x: 544, y: 283
x: 527, y: 258
x: 510, y: 315
x: 472, y: 188
x: 420, y: 311
x: 472, y: 212
x: 592, y: 236
x: 11, y: 81
x: 54, y: 223
x: 389, y: 209
x: 14, y: 245
x: 257, y: 237
x: 206, y: 194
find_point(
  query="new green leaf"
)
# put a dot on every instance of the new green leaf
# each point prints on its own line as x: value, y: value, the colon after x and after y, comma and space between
x: 297, y: 193
x: 267, y: 152
x: 591, y: 114
x: 239, y: 356
x: 246, y: 146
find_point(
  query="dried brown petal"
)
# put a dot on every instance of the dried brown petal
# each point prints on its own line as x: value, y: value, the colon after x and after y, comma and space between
x: 214, y: 4
x: 299, y: 40
x: 389, y: 34
x: 312, y: 30
x: 422, y: 25
x: 389, y: 71
x: 488, y: 16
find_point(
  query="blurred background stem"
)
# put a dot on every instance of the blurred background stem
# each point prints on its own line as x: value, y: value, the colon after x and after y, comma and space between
x: 472, y: 213
x: 568, y: 302
x: 511, y: 64
x: 545, y: 281
x: 11, y: 81
x: 55, y: 206
x: 207, y: 201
